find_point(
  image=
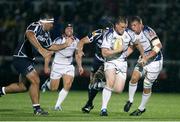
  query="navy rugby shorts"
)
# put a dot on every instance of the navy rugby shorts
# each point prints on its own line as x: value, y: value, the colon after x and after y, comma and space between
x: 23, y: 65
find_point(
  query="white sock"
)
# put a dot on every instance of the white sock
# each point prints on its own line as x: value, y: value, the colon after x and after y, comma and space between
x: 145, y: 98
x: 106, y: 95
x: 3, y: 90
x: 62, y: 95
x: 48, y: 85
x: 132, y: 90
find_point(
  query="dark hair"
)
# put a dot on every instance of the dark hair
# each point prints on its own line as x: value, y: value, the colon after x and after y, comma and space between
x: 121, y: 19
x: 135, y: 18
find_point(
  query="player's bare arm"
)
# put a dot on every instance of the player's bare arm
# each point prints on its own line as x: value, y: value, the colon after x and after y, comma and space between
x: 106, y: 52
x: 46, y: 64
x: 56, y: 47
x: 156, y: 48
x: 79, y: 53
x: 130, y: 50
x: 143, y: 60
x: 33, y: 40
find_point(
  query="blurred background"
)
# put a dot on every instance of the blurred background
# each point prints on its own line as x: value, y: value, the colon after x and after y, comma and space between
x: 86, y: 15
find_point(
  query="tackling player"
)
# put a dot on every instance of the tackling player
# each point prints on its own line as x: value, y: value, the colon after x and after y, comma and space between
x: 36, y: 40
x: 97, y: 79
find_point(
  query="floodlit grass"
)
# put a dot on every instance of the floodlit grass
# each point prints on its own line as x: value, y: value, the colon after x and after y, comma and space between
x: 161, y: 107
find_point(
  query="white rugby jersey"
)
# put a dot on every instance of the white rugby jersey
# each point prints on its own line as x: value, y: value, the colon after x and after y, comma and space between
x: 110, y: 37
x: 145, y: 37
x: 65, y: 56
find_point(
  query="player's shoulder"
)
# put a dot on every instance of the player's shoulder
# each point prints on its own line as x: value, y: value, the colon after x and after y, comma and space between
x: 129, y: 32
x: 76, y: 39
x: 97, y: 32
x: 34, y: 26
x: 58, y: 38
x: 149, y: 31
x: 109, y: 32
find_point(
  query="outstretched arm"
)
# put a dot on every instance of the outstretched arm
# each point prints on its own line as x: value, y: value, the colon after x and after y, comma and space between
x: 56, y: 47
x: 79, y: 53
x: 33, y: 40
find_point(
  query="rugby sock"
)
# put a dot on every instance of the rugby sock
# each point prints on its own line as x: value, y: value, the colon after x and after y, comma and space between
x: 106, y: 95
x: 132, y: 90
x: 145, y: 98
x: 36, y: 106
x: 48, y: 85
x: 3, y: 91
x: 92, y: 93
x: 62, y: 95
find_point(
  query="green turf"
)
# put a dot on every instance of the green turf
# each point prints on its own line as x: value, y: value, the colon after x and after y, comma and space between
x: 17, y: 107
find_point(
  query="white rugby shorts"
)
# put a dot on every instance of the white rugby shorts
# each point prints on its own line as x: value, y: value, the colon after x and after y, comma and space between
x: 58, y: 70
x: 120, y: 66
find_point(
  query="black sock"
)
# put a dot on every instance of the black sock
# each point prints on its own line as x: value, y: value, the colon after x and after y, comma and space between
x: 36, y: 107
x: 92, y: 94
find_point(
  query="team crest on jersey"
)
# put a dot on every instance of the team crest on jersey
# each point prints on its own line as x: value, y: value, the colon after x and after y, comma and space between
x: 94, y: 33
x: 99, y: 41
x: 151, y: 33
x: 40, y: 38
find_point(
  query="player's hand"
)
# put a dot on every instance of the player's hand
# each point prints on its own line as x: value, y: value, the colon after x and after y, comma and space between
x: 69, y: 41
x: 81, y: 70
x: 80, y: 53
x: 45, y: 53
x: 142, y: 60
x: 47, y: 70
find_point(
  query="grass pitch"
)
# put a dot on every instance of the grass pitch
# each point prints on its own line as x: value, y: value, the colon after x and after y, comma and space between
x: 161, y: 107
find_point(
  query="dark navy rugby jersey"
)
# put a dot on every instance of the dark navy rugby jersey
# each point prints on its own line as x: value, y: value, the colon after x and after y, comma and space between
x: 96, y: 38
x: 26, y: 49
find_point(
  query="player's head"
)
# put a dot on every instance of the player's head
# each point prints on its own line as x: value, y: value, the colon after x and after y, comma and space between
x: 120, y: 24
x: 105, y: 23
x: 136, y: 24
x: 47, y: 23
x: 68, y: 29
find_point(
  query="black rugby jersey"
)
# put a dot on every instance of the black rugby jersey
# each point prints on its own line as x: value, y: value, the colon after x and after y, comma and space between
x: 26, y: 49
x: 96, y: 38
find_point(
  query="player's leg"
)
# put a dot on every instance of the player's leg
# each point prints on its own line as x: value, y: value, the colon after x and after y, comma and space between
x: 53, y: 84
x: 95, y: 86
x: 55, y: 76
x: 15, y: 87
x: 145, y: 97
x: 132, y: 89
x: 67, y: 81
x: 119, y: 82
x: 46, y: 85
x: 34, y: 94
x: 68, y: 78
x: 110, y: 75
x: 153, y: 70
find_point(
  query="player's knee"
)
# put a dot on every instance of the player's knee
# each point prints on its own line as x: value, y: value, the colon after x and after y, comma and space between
x: 53, y: 88
x: 148, y: 83
x: 22, y: 87
x: 134, y: 80
x: 118, y: 90
x: 33, y: 78
x: 67, y: 86
x: 147, y: 90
